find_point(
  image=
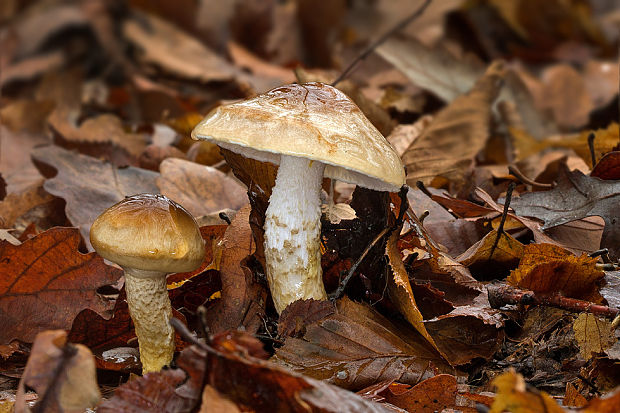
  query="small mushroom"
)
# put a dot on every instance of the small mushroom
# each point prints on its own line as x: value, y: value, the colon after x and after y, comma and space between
x: 310, y: 130
x: 149, y: 236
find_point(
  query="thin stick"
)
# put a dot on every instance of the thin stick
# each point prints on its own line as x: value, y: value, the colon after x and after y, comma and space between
x: 513, y: 170
x: 591, y: 137
x: 500, y: 229
x: 502, y: 295
x: 403, y: 23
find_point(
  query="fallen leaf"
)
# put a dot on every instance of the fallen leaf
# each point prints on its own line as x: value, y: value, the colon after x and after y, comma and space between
x: 608, y: 167
x: 98, y: 132
x: 48, y: 282
x: 243, y: 299
x: 433, y: 69
x: 175, y: 51
x: 213, y: 401
x: 513, y: 396
x: 448, y: 146
x: 63, y: 375
x: 31, y: 67
x: 15, y: 165
x: 402, y: 136
x: 431, y: 395
x: 493, y: 256
x: 607, y: 404
x: 170, y: 391
x: 15, y: 204
x: 200, y: 189
x: 593, y: 334
x: 266, y: 386
x: 90, y: 186
x: 573, y: 398
x: 297, y: 315
x: 565, y: 94
x: 549, y: 269
x: 576, y: 196
x: 356, y: 347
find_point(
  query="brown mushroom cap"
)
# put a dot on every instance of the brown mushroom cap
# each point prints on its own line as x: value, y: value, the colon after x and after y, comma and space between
x: 313, y: 121
x: 148, y: 232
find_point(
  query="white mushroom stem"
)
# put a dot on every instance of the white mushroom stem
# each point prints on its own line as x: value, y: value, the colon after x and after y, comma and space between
x: 150, y: 310
x: 292, y: 233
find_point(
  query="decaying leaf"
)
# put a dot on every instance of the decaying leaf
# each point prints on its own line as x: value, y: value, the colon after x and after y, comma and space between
x: 46, y: 282
x: 356, y: 347
x: 200, y: 189
x: 448, y: 146
x: 493, y: 256
x: 90, y: 186
x: 549, y: 269
x: 593, y: 334
x: 63, y: 375
x: 243, y: 299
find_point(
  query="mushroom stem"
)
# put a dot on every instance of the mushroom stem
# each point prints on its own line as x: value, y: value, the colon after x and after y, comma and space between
x: 150, y: 310
x: 292, y: 233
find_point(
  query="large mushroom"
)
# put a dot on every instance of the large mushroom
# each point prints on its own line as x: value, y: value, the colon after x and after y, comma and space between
x: 310, y: 130
x: 149, y: 236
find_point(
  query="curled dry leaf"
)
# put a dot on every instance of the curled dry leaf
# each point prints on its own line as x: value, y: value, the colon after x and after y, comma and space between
x: 243, y: 299
x: 63, y: 375
x: 356, y: 347
x: 493, y: 256
x: 448, y: 146
x: 549, y: 269
x: 200, y: 189
x: 48, y: 282
x: 90, y: 186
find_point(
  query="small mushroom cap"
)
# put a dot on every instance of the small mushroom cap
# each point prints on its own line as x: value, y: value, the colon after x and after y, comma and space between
x: 148, y: 232
x: 311, y: 120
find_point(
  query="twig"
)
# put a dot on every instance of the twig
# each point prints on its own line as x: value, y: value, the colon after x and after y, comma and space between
x: 385, y: 232
x: 513, y: 170
x: 420, y: 185
x: 500, y: 229
x: 403, y: 23
x: 186, y: 334
x: 591, y: 137
x: 502, y: 295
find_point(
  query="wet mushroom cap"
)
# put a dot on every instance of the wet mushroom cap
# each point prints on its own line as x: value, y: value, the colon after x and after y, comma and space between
x: 312, y: 121
x: 148, y: 232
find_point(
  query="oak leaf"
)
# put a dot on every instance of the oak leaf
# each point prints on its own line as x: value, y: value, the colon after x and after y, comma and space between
x: 593, y: 334
x: 46, y: 282
x: 89, y: 185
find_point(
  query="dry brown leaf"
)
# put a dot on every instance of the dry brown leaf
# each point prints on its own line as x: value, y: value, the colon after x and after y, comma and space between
x: 431, y: 395
x: 15, y: 164
x: 32, y: 67
x: 593, y: 334
x: 400, y: 291
x: 448, y: 146
x: 27, y: 115
x: 506, y: 253
x: 243, y: 299
x: 200, y: 189
x: 572, y: 397
x: 175, y: 51
x: 63, y: 375
x: 549, y: 269
x: 89, y: 185
x: 357, y: 347
x: 513, y: 396
x: 432, y: 69
x: 213, y: 401
x: 565, y: 94
x: 48, y: 282
x: 15, y: 205
x: 402, y: 136
x: 101, y: 129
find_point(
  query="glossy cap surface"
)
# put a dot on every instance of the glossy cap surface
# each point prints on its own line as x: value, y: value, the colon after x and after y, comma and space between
x: 313, y: 121
x: 148, y: 232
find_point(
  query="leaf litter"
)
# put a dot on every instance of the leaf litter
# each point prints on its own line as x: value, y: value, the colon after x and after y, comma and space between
x: 433, y: 302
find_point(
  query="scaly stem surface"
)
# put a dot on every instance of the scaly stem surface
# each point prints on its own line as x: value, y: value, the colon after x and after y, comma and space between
x: 150, y: 310
x: 292, y: 233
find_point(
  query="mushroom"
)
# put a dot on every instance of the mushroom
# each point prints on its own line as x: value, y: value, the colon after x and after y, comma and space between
x: 149, y: 236
x: 310, y: 130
